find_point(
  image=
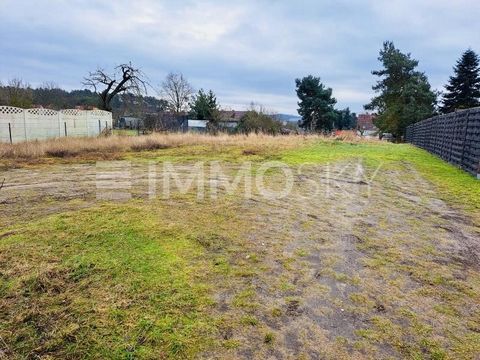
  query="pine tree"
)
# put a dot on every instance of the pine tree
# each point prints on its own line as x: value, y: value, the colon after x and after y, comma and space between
x: 405, y: 96
x: 203, y: 105
x: 315, y: 105
x: 345, y: 120
x: 463, y: 89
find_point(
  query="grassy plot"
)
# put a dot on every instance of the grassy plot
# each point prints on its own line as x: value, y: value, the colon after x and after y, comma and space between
x: 116, y: 281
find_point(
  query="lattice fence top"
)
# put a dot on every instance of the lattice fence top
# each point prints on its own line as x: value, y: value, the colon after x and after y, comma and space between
x: 42, y: 112
x: 72, y: 112
x: 99, y: 113
x: 10, y: 110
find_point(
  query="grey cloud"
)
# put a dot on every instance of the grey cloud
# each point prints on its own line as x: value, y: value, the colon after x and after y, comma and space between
x: 245, y: 51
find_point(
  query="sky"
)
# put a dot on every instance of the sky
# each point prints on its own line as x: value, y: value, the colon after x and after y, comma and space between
x: 243, y: 50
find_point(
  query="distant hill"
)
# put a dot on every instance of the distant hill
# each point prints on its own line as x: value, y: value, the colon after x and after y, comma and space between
x: 288, y: 117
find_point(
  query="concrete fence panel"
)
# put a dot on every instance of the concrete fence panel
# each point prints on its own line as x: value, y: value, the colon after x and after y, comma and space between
x: 73, y: 122
x: 35, y: 124
x: 42, y: 124
x: 12, y: 124
x: 98, y: 121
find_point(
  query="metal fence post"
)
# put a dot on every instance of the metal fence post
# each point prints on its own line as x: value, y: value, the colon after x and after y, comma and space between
x: 10, y: 133
x: 65, y: 124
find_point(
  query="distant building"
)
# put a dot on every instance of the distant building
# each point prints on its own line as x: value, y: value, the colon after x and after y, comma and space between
x: 365, y: 122
x: 232, y: 115
x: 229, y: 122
x: 130, y: 122
x: 365, y: 125
x: 197, y: 125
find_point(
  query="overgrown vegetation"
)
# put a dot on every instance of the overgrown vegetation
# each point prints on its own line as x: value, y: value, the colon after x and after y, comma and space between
x: 118, y: 145
x: 258, y: 122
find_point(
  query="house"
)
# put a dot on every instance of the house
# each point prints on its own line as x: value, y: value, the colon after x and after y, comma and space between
x: 365, y: 124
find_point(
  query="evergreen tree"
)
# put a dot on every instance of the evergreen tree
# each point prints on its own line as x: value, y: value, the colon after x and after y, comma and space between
x: 463, y: 89
x: 204, y: 107
x: 405, y: 95
x: 315, y: 105
x: 345, y: 120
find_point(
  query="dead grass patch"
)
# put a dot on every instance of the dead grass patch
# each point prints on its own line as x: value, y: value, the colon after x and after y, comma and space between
x: 77, y: 147
x: 149, y: 145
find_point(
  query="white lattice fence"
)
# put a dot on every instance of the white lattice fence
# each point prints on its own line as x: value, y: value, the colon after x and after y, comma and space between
x: 20, y: 125
x: 12, y: 124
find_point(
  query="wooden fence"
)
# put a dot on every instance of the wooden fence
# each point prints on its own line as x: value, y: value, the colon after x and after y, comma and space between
x: 454, y: 137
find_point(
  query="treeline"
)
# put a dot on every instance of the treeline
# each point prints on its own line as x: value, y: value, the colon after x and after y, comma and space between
x: 20, y: 94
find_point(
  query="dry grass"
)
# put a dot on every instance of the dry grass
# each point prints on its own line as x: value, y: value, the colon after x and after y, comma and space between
x: 71, y: 147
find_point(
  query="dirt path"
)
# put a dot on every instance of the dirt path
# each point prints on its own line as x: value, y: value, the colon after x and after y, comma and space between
x: 358, y: 270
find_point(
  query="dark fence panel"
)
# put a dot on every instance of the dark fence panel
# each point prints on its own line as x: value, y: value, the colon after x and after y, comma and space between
x: 454, y: 137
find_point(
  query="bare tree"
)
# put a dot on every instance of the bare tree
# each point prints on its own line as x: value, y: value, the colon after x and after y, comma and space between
x: 17, y: 93
x: 49, y: 85
x: 3, y: 95
x: 177, y: 92
x: 125, y: 78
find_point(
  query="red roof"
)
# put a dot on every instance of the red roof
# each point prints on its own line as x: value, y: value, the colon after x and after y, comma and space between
x: 232, y: 115
x: 365, y: 122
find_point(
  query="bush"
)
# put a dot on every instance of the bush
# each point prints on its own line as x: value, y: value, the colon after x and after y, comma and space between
x: 259, y: 122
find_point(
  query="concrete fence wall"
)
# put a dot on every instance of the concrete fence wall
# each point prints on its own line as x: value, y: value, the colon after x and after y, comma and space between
x: 455, y: 137
x: 35, y: 124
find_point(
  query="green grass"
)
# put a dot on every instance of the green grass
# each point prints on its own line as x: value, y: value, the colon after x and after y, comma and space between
x: 454, y: 185
x: 117, y: 281
x: 125, y: 132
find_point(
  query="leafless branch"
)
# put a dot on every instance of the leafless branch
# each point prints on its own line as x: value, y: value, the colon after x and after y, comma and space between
x: 177, y: 91
x: 125, y: 78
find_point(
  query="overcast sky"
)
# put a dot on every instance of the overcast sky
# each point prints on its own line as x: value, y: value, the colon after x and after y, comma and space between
x: 244, y: 50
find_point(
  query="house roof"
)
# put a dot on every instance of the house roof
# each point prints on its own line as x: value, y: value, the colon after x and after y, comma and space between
x: 232, y: 115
